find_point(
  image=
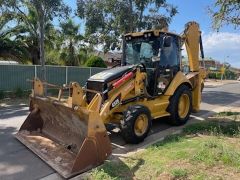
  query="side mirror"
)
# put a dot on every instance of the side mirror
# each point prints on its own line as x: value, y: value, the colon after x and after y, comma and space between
x: 167, y: 41
x: 155, y: 59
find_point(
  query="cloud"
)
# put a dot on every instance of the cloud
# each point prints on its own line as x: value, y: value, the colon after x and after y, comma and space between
x: 222, y: 46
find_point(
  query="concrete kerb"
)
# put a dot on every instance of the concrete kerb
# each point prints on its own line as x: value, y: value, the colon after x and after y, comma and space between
x: 219, y: 83
x: 229, y: 107
x: 129, y: 149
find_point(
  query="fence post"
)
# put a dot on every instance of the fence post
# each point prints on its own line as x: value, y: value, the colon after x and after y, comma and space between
x: 90, y: 71
x: 66, y: 81
x: 35, y: 71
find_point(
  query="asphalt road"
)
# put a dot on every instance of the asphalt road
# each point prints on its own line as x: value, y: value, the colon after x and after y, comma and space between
x: 17, y: 162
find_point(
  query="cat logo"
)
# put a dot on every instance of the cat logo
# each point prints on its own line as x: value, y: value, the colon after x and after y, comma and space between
x: 116, y: 102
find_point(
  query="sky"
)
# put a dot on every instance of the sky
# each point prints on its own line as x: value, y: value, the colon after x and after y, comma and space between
x: 222, y: 46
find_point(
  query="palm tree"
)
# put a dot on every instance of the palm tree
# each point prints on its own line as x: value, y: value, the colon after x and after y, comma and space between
x: 20, y: 42
x: 29, y: 34
x: 10, y: 47
x: 71, y: 43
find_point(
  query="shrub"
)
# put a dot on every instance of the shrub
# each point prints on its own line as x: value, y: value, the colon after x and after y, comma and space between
x: 212, y: 75
x: 19, y: 92
x: 52, y: 92
x: 95, y: 61
x: 2, y: 94
x: 179, y: 173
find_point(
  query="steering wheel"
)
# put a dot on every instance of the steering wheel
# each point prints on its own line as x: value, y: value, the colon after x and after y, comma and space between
x: 142, y: 67
x: 146, y: 61
x: 118, y: 64
x: 127, y: 63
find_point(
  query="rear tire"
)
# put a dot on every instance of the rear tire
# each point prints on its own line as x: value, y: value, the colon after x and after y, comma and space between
x: 136, y: 124
x: 180, y: 106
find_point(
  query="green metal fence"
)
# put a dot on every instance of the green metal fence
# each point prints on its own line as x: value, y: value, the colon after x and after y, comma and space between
x: 15, y: 76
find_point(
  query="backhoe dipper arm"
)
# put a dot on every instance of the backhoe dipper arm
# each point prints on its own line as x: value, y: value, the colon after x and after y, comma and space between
x: 193, y: 42
x: 191, y: 37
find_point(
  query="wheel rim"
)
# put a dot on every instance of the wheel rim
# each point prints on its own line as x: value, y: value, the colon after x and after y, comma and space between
x: 141, y: 124
x: 183, y: 105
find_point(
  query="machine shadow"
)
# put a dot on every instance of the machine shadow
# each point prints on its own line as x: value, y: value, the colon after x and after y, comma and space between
x: 221, y: 98
x: 13, y: 111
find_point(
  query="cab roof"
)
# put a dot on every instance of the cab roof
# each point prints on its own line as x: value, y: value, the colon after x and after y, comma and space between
x: 155, y: 32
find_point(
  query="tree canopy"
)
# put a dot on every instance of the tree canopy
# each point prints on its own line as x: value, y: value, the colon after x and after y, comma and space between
x: 71, y: 41
x: 107, y: 20
x: 225, y: 12
x: 9, y: 48
x: 32, y: 18
x: 28, y: 32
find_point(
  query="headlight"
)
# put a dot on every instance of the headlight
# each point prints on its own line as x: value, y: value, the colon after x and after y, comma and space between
x: 128, y: 38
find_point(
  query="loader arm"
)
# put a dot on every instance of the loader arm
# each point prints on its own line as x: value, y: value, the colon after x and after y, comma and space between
x: 128, y: 87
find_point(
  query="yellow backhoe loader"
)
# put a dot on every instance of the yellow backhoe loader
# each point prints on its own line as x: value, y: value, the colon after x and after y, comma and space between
x: 69, y: 133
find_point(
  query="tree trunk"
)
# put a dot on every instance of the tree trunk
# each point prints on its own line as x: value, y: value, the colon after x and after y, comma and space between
x: 140, y: 18
x: 131, y: 15
x: 123, y: 63
x: 41, y: 23
x: 41, y: 43
x: 35, y: 55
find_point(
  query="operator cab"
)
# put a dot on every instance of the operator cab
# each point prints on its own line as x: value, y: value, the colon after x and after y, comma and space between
x: 160, y: 52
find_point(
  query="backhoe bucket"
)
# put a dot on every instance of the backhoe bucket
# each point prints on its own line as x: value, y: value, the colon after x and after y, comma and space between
x: 70, y: 141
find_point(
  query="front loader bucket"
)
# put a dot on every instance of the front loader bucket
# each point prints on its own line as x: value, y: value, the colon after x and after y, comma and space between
x: 70, y: 141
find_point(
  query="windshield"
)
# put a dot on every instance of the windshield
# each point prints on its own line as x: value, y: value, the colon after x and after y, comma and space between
x: 142, y: 50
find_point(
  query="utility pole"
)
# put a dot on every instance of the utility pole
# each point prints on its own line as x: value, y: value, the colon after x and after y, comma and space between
x: 223, y: 68
x: 222, y: 71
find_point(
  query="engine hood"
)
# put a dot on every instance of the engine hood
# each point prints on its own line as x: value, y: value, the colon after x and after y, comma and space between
x: 110, y: 74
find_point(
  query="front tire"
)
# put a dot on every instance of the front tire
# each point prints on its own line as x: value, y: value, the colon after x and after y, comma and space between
x: 136, y: 124
x: 180, y: 106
